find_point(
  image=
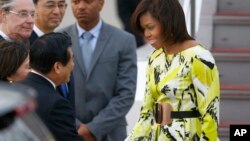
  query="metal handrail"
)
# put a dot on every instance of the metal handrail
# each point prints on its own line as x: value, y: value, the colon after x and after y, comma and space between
x: 190, y: 8
x: 193, y: 17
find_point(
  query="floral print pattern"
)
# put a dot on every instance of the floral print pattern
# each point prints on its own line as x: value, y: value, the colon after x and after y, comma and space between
x: 188, y: 80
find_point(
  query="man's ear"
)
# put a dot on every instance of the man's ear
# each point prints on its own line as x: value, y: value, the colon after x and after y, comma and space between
x: 1, y: 14
x: 57, y: 67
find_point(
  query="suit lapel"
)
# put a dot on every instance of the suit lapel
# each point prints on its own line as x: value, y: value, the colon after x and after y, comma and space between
x: 33, y: 37
x: 100, y: 45
x: 1, y: 37
x: 76, y: 48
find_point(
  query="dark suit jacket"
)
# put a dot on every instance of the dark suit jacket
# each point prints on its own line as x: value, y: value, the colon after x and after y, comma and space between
x: 54, y: 110
x: 33, y: 37
x: 105, y: 94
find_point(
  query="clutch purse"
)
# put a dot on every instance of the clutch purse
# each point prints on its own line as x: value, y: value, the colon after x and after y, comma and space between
x: 163, y: 113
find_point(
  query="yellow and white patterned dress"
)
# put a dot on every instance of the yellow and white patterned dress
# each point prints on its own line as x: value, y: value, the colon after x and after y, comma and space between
x: 188, y: 81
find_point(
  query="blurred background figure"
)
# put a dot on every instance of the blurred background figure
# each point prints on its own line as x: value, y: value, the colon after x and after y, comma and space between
x: 14, y: 60
x: 125, y: 10
x: 49, y: 15
x: 17, y: 19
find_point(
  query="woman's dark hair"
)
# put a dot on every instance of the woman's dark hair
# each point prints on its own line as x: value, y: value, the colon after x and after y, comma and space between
x: 12, y: 55
x: 170, y: 15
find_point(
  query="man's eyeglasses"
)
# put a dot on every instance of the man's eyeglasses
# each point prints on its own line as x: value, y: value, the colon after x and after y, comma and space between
x: 51, y: 6
x: 23, y: 14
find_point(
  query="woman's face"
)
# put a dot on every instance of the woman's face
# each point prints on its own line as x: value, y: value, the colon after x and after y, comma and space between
x: 152, y: 30
x: 22, y: 71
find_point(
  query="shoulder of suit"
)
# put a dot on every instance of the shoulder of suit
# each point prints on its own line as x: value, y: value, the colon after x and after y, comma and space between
x: 116, y: 30
x: 66, y: 28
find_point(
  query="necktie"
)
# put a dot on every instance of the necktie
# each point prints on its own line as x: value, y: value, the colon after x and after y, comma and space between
x: 64, y: 89
x: 86, y: 49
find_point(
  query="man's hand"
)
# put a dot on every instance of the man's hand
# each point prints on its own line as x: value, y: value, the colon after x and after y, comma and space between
x: 84, y: 132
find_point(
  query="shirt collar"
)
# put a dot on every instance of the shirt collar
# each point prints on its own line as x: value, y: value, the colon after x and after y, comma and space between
x: 94, y: 31
x: 5, y: 36
x: 54, y: 85
x: 38, y: 31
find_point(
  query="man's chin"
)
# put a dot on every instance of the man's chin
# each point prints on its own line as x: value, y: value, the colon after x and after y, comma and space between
x: 54, y: 25
x: 20, y: 36
x: 26, y: 35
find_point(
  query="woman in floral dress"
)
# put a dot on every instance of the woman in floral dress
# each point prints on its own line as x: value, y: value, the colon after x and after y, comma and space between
x: 182, y: 79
